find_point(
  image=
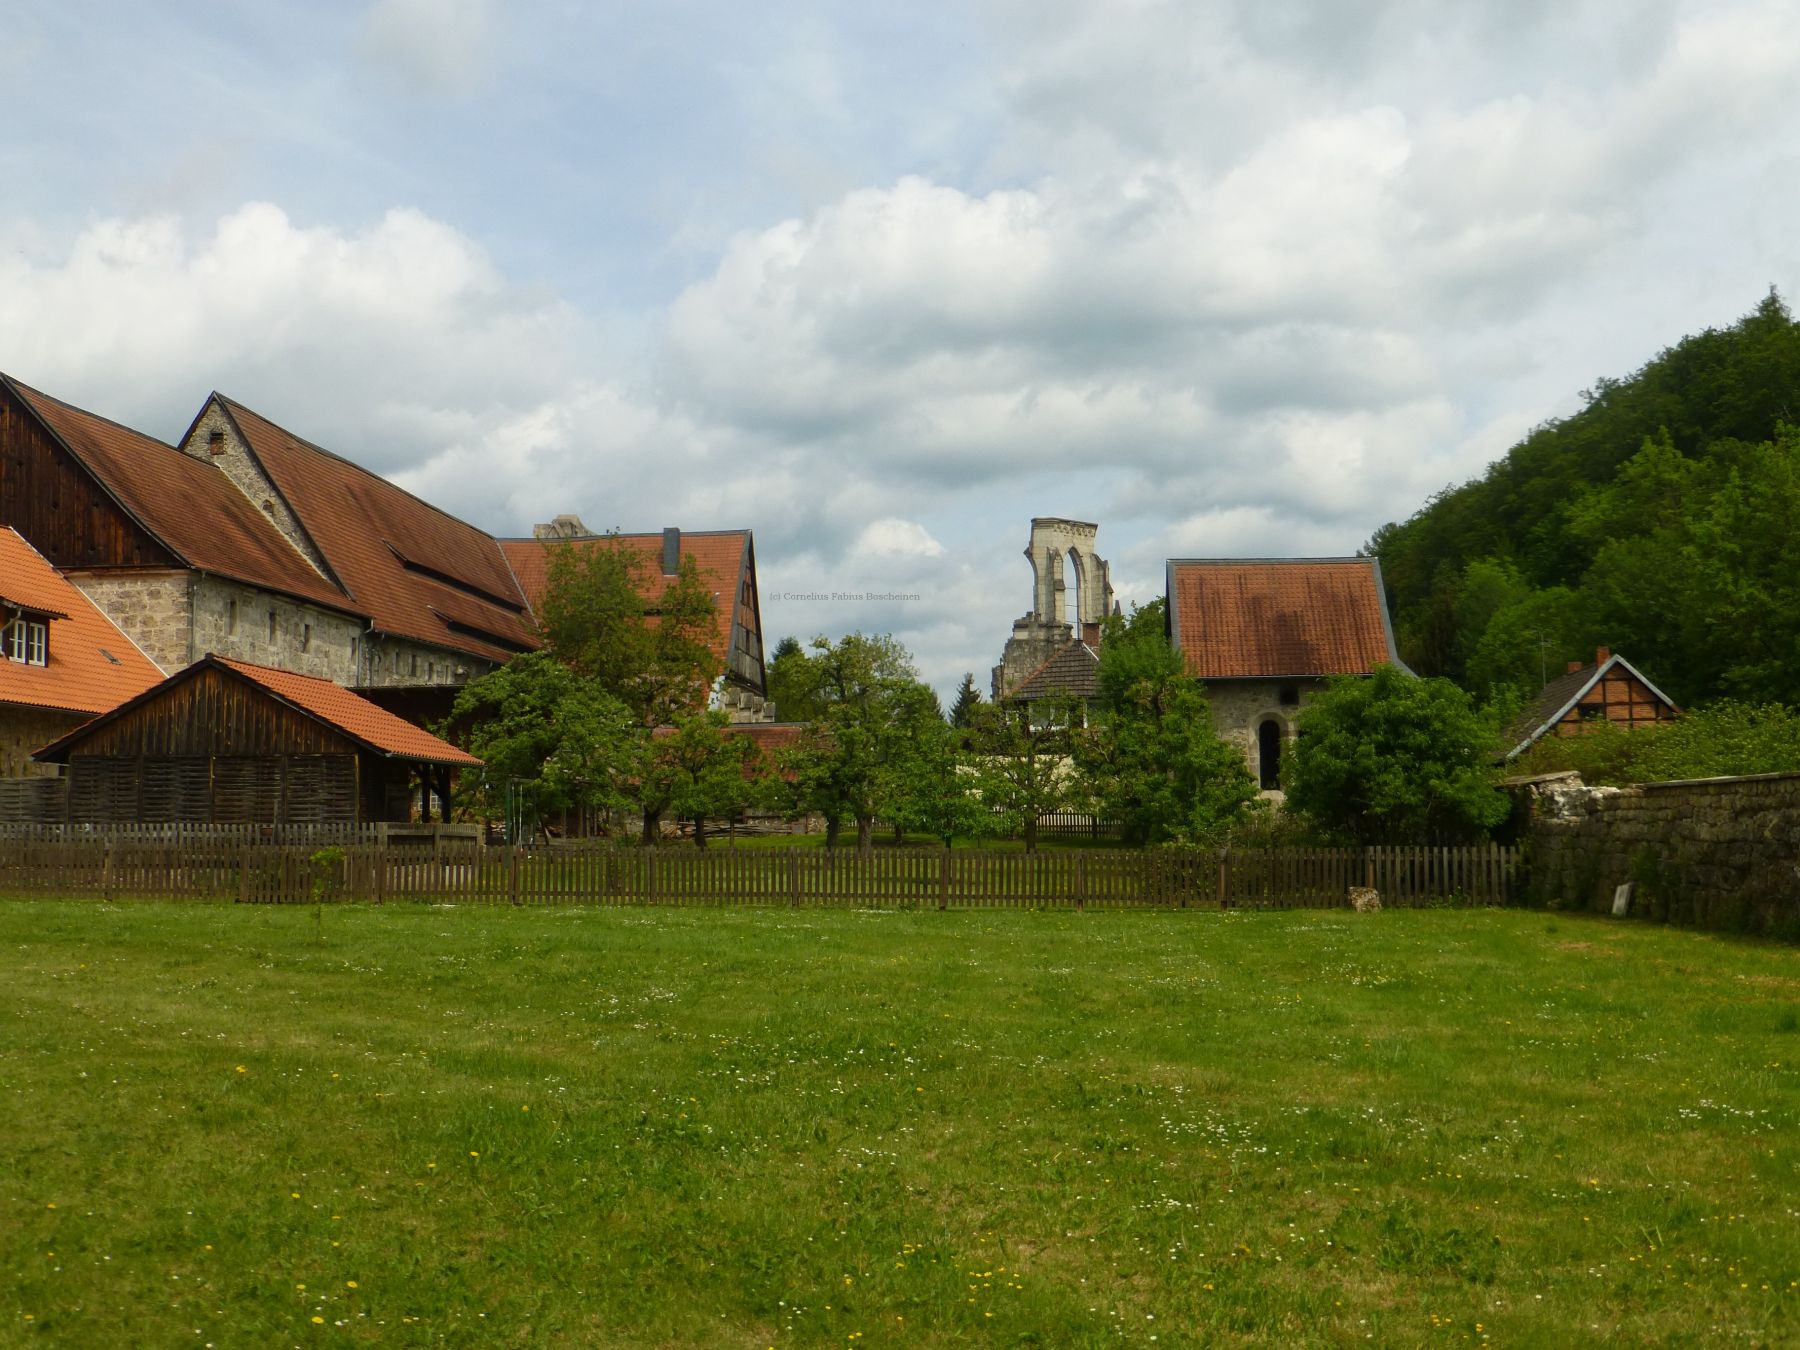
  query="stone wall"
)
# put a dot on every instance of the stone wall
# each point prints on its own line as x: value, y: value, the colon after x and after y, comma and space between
x: 1240, y: 707
x: 1716, y: 853
x: 234, y: 620
x: 23, y: 730
x: 153, y: 609
x: 232, y: 457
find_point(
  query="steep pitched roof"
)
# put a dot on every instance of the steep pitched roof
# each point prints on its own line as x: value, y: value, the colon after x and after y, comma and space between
x: 1073, y: 672
x: 1271, y: 618
x: 1555, y: 701
x: 416, y: 571
x: 349, y: 714
x: 722, y: 557
x: 91, y: 665
x: 191, y: 508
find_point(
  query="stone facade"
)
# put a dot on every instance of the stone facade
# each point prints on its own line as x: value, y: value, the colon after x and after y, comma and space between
x: 153, y: 609
x: 1715, y: 853
x: 249, y: 624
x: 1241, y: 707
x: 214, y: 440
x: 1059, y: 550
x: 23, y: 730
x: 398, y: 663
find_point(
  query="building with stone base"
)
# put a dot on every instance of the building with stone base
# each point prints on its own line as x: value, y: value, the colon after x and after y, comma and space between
x: 1264, y: 634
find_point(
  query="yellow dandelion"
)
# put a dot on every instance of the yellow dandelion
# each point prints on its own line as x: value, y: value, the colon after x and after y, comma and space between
x: 349, y: 1284
x: 318, y: 1321
x: 242, y: 1069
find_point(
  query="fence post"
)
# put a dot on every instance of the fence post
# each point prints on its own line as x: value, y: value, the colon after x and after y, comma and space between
x: 650, y: 875
x: 106, y: 872
x: 512, y: 874
x: 1080, y: 881
x: 793, y: 877
x: 944, y: 880
x: 244, y: 875
x: 1224, y: 878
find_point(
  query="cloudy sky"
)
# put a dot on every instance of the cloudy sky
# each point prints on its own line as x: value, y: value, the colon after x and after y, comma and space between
x: 883, y: 281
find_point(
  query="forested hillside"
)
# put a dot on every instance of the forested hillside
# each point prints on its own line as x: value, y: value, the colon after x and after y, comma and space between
x: 1662, y: 520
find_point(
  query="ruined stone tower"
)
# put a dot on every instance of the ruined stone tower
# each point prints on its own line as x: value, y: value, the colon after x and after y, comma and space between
x: 1061, y: 552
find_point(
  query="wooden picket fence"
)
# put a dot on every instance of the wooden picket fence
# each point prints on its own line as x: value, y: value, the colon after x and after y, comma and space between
x: 452, y: 873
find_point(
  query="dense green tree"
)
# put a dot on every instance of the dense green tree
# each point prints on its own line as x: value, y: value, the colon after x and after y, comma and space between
x: 793, y: 683
x: 968, y: 699
x: 1391, y: 759
x: 931, y: 789
x: 873, y: 714
x: 1718, y: 740
x: 550, y: 734
x: 1020, y: 756
x: 694, y: 769
x: 1150, y: 758
x: 656, y: 659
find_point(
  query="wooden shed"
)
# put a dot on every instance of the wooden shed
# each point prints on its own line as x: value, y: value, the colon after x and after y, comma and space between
x: 225, y: 742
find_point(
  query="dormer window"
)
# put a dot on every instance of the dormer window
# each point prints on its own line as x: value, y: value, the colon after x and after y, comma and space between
x: 27, y: 641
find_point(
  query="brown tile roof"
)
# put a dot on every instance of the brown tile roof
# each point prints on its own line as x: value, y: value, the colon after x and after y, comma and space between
x: 416, y: 571
x: 352, y: 714
x: 1251, y: 618
x: 91, y: 666
x: 192, y: 508
x: 1073, y: 672
x: 718, y: 554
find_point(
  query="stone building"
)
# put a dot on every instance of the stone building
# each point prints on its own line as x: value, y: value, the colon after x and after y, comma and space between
x: 1264, y: 634
x: 1061, y: 553
x: 251, y: 543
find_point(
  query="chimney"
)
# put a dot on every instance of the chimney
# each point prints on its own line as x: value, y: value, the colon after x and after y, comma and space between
x: 1090, y: 634
x: 1602, y: 655
x: 671, y: 557
x: 1573, y: 667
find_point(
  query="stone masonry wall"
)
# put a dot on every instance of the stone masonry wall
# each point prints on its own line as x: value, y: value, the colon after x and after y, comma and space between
x: 153, y: 609
x: 232, y: 620
x: 233, y: 459
x: 1239, y: 707
x: 1716, y: 853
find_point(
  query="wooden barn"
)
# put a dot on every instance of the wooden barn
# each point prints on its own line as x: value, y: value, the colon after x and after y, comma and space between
x: 1609, y: 691
x: 224, y: 742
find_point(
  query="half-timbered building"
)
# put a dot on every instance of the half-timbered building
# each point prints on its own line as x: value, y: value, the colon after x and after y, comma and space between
x: 1609, y: 691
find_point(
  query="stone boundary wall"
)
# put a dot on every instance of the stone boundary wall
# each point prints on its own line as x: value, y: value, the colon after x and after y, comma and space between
x: 1721, y: 853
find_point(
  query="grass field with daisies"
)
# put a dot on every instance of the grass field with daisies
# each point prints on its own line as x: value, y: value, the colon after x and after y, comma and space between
x: 237, y: 1126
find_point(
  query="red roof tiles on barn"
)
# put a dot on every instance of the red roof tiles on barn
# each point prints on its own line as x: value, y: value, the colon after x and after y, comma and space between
x: 416, y: 571
x: 90, y: 666
x: 1277, y: 618
x: 191, y: 508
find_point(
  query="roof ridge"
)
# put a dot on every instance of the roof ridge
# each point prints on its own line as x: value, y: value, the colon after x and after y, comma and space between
x: 86, y: 412
x: 365, y: 471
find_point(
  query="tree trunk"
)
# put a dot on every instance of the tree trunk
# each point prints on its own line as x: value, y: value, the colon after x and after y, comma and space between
x: 652, y: 827
x: 699, y: 831
x: 865, y: 836
x: 1031, y: 834
x: 832, y: 828
x: 899, y: 834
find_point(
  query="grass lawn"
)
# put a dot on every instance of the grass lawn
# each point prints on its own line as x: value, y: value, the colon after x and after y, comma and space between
x: 732, y: 1128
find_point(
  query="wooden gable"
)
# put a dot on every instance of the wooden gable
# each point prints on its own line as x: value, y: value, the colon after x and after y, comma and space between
x: 50, y: 498
x: 1620, y: 696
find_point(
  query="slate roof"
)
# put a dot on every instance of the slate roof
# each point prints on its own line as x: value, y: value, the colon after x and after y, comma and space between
x: 195, y: 511
x: 353, y: 715
x: 1275, y: 618
x: 1556, y: 699
x: 91, y: 666
x: 416, y: 571
x: 1073, y: 672
x: 722, y: 557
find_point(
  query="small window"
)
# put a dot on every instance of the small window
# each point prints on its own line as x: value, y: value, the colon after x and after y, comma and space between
x: 271, y: 628
x: 306, y: 637
x: 415, y: 663
x: 1290, y: 695
x: 28, y: 642
x: 231, y: 619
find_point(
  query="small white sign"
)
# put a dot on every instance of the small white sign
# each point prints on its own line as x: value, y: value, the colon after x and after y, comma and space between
x: 1622, y: 899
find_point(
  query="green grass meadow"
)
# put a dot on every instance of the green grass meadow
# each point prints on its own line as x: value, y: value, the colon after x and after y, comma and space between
x: 413, y: 1125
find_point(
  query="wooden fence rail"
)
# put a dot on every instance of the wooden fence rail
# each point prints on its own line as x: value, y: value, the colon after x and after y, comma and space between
x: 450, y: 872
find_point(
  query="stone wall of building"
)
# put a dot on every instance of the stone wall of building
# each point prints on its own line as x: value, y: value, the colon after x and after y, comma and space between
x: 1240, y: 707
x: 1716, y: 853
x: 153, y: 609
x: 400, y: 663
x: 23, y: 730
x: 215, y: 440
x: 249, y: 624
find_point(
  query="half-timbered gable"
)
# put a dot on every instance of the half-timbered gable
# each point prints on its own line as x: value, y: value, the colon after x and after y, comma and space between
x: 1609, y: 691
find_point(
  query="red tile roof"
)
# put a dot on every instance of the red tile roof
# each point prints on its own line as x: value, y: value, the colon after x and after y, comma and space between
x: 91, y: 666
x: 718, y: 554
x: 418, y: 572
x: 1251, y: 618
x: 197, y: 513
x: 352, y: 714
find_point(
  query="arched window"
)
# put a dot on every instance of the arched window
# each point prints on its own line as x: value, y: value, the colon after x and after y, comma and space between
x: 1268, y: 754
